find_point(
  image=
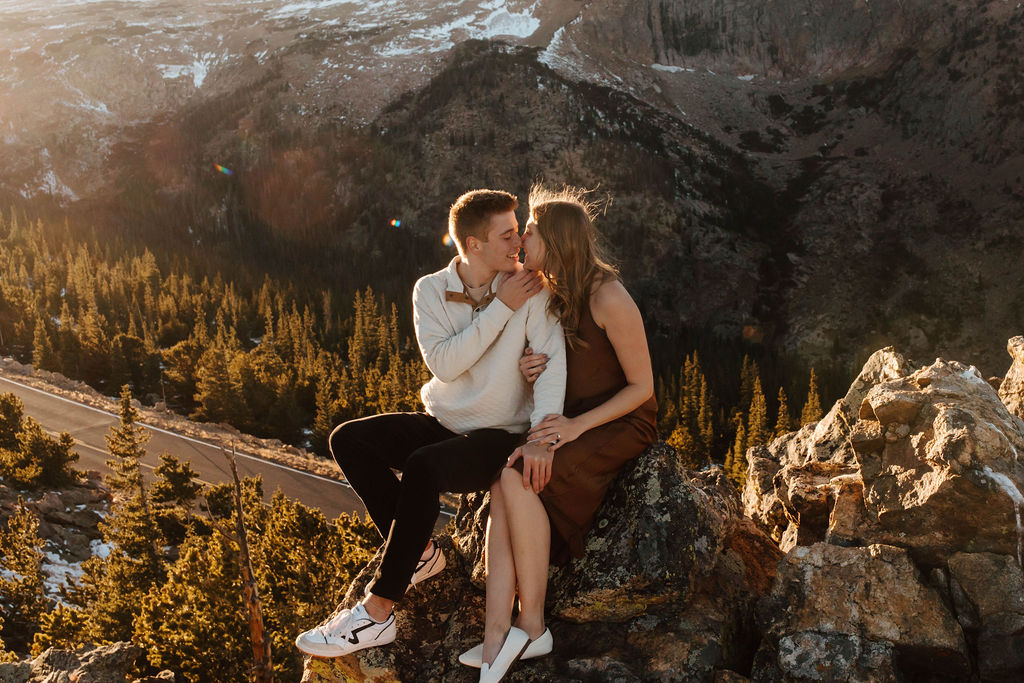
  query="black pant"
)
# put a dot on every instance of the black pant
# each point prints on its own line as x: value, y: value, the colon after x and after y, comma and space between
x: 432, y: 459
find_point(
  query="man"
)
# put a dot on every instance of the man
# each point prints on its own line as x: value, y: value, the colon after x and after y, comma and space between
x: 473, y: 319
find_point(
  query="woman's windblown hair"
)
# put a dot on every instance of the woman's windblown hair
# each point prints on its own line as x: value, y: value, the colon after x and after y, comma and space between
x: 574, y: 263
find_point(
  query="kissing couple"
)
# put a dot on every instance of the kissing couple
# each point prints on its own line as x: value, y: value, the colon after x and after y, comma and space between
x: 542, y: 390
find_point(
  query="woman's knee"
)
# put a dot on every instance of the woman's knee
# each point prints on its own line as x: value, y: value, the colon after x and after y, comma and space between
x: 511, y: 481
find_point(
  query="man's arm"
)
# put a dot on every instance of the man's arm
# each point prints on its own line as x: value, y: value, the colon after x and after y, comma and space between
x: 545, y: 335
x: 449, y: 355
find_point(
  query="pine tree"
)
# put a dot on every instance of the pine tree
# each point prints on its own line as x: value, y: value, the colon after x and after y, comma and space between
x: 812, y: 408
x: 43, y: 356
x: 68, y: 348
x: 216, y: 395
x: 327, y: 417
x: 12, y: 410
x: 685, y: 445
x: 192, y: 622
x: 784, y: 423
x: 736, y: 461
x: 174, y: 495
x: 126, y: 444
x: 176, y: 483
x: 53, y: 457
x: 705, y: 420
x: 21, y: 578
x: 113, y: 587
x: 63, y: 627
x: 757, y: 421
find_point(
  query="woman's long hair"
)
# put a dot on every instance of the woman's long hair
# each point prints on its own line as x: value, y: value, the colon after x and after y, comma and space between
x: 574, y: 262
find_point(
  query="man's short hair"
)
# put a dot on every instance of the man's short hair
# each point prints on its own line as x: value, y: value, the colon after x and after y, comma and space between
x: 471, y: 214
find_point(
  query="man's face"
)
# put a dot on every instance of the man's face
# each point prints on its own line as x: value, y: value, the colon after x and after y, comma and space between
x: 501, y: 250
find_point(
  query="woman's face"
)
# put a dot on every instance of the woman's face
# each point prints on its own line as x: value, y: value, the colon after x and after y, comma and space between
x: 533, y: 247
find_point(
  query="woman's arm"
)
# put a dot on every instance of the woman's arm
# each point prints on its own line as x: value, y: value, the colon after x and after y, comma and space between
x: 613, y: 310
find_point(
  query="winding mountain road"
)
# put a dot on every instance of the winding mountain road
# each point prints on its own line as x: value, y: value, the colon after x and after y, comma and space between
x: 89, y: 425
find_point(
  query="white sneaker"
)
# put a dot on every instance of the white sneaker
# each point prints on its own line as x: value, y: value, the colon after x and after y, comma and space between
x: 349, y: 631
x: 537, y: 648
x: 428, y: 567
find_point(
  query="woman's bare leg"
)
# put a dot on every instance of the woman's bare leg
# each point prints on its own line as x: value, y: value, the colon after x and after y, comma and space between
x: 530, y: 534
x: 501, y: 577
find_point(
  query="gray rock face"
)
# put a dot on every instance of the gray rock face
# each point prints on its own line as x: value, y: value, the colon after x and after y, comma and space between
x: 109, y: 664
x: 68, y: 517
x: 839, y: 613
x: 988, y: 595
x: 664, y: 592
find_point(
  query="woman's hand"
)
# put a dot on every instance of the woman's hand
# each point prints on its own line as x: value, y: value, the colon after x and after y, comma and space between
x: 537, y: 459
x: 532, y: 364
x: 556, y: 430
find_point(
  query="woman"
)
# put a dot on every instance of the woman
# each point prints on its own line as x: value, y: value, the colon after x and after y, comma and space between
x: 569, y: 460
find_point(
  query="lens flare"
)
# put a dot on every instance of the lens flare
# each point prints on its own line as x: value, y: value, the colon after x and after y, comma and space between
x: 222, y: 169
x: 447, y: 240
x: 396, y: 223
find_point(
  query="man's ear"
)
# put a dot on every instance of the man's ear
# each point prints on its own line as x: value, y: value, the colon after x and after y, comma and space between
x: 472, y: 243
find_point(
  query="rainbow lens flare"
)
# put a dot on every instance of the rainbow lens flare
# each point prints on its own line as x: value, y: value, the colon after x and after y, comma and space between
x: 396, y: 223
x: 222, y: 169
x: 447, y: 240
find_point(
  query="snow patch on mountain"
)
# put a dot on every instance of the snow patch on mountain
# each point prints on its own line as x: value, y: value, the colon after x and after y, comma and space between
x: 501, y: 22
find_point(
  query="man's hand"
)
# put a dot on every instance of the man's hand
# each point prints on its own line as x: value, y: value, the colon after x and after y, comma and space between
x: 537, y: 461
x: 532, y: 364
x: 515, y: 289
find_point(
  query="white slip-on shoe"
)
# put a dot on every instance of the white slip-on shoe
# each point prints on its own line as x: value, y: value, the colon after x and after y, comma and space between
x: 349, y: 631
x: 515, y: 642
x: 474, y: 656
x: 428, y: 567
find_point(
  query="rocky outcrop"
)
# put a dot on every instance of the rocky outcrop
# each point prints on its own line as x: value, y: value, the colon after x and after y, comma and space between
x: 906, y: 501
x: 664, y: 592
x: 794, y: 483
x: 1011, y: 391
x: 109, y: 664
x: 926, y: 460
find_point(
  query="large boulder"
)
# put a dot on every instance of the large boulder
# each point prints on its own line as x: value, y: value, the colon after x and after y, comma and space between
x: 1011, y: 391
x: 856, y: 614
x: 666, y: 591
x: 928, y: 460
x: 791, y: 484
x: 946, y: 475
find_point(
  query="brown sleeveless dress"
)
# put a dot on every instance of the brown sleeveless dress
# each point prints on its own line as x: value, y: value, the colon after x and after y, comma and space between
x: 583, y: 469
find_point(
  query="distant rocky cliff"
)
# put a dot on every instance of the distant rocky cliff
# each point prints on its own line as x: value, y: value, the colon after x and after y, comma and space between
x: 881, y: 543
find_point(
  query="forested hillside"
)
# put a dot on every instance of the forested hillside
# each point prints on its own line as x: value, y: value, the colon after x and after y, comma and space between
x: 283, y: 359
x: 165, y: 573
